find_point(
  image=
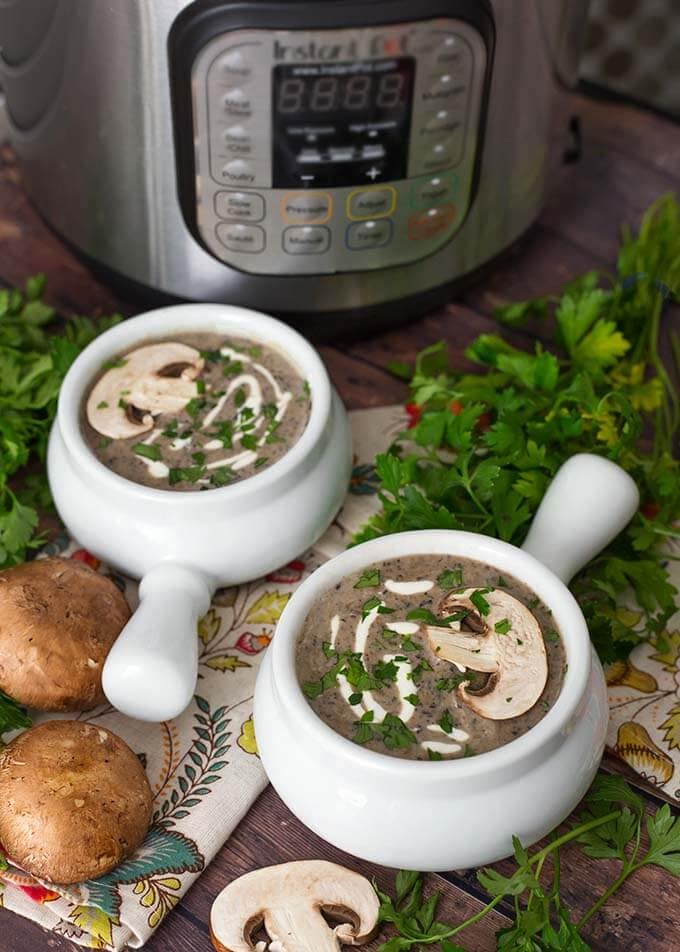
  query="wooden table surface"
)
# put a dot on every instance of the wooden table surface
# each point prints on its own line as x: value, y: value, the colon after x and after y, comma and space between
x: 629, y: 158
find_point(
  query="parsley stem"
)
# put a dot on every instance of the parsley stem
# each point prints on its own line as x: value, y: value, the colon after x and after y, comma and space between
x: 573, y: 834
x: 608, y: 893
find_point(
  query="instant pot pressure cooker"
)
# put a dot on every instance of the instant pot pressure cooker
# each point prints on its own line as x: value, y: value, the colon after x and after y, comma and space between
x: 308, y: 158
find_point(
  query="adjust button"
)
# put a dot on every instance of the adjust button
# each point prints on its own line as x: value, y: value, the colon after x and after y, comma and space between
x: 306, y: 240
x: 250, y: 239
x: 239, y: 206
x: 430, y: 223
x: 371, y: 203
x: 369, y: 234
x: 306, y: 208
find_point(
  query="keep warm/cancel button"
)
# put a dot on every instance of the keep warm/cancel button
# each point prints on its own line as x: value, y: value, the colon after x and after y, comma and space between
x: 306, y: 240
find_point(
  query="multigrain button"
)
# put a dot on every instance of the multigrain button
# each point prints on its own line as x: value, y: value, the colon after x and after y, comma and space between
x: 306, y: 240
x: 239, y: 206
x: 371, y: 203
x: 236, y: 102
x: 234, y: 67
x: 369, y: 234
x: 250, y: 239
x: 239, y: 172
x: 306, y: 208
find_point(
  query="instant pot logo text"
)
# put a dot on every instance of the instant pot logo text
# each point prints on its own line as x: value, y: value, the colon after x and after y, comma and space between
x: 314, y: 51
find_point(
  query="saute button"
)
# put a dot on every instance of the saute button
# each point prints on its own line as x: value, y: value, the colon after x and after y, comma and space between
x: 237, y: 103
x: 247, y: 238
x: 306, y: 240
x: 369, y: 234
x: 239, y: 206
x: 239, y: 172
x: 309, y: 208
x: 430, y: 223
x: 234, y: 67
x: 371, y: 203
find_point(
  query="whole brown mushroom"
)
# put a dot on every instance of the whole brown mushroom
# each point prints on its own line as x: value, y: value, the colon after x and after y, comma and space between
x: 74, y: 801
x: 58, y: 621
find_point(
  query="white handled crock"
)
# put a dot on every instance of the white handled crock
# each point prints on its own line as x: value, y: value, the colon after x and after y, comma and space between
x: 185, y: 544
x: 454, y: 814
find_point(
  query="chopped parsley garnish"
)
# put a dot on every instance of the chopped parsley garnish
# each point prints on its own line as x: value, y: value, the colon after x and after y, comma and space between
x: 222, y: 476
x: 433, y: 754
x: 231, y: 368
x: 187, y: 474
x: 249, y: 441
x: 392, y: 731
x: 450, y: 578
x: 122, y: 405
x: 480, y: 603
x: 200, y: 386
x: 102, y: 405
x: 104, y: 442
x: 424, y: 614
x: 501, y: 583
x: 271, y: 436
x: 446, y: 722
x: 114, y: 363
x: 550, y: 635
x: 148, y: 451
x: 260, y: 461
x: 450, y: 684
x: 269, y: 411
x: 385, y: 671
x: 373, y: 603
x: 170, y: 430
x: 419, y: 670
x: 503, y: 626
x: 224, y: 432
x: 408, y: 644
x: 389, y: 634
x: 355, y: 698
x: 370, y: 578
x: 240, y: 397
x: 198, y: 457
x: 194, y: 407
x: 412, y: 699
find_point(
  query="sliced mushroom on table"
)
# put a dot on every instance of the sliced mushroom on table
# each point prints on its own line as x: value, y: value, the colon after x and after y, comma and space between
x: 514, y: 657
x: 158, y: 378
x: 288, y: 900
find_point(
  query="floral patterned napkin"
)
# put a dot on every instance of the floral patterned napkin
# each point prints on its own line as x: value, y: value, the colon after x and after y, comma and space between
x: 203, y: 766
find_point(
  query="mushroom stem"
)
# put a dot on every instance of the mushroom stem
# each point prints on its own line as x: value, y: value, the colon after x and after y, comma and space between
x: 462, y: 649
x: 300, y: 929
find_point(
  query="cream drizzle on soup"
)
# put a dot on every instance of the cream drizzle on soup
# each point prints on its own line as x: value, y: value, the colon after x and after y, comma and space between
x: 371, y: 671
x: 198, y: 412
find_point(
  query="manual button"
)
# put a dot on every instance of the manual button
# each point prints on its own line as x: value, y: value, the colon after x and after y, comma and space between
x: 306, y: 240
x: 371, y: 203
x: 369, y: 234
x: 250, y: 239
x: 239, y: 206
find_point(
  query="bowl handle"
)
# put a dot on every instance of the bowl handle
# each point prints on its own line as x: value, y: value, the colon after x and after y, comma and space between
x: 587, y: 504
x: 150, y: 673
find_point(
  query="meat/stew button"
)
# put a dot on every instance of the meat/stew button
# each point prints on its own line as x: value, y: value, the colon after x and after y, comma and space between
x: 430, y: 223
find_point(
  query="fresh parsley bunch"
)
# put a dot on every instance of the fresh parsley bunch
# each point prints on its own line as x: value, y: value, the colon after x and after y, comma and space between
x: 482, y: 448
x: 611, y: 827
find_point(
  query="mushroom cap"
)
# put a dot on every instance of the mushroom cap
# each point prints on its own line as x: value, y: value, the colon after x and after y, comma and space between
x: 140, y: 383
x: 74, y: 801
x: 58, y: 621
x: 516, y: 660
x: 288, y: 899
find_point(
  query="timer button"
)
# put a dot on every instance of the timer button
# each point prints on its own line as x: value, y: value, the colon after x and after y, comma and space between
x: 237, y: 103
x: 363, y: 235
x: 430, y: 223
x: 371, y: 203
x: 308, y: 208
x: 306, y: 240
x: 233, y: 67
x: 239, y: 206
x: 249, y: 239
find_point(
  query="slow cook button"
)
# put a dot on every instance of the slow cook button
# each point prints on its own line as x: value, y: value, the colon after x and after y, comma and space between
x: 239, y: 206
x: 239, y: 172
x: 430, y: 223
x: 246, y: 238
x: 363, y: 235
x: 306, y: 208
x: 306, y: 240
x: 371, y: 203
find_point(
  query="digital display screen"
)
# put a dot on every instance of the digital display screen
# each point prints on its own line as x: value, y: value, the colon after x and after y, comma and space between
x: 341, y: 123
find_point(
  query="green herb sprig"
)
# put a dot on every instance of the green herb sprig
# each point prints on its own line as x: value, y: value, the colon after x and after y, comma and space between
x: 483, y: 447
x: 610, y: 827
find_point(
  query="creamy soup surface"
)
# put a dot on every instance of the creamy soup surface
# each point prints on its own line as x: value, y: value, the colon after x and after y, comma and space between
x: 370, y: 658
x: 198, y: 411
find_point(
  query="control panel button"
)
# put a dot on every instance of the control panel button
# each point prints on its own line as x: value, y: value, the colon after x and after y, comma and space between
x: 236, y: 102
x: 452, y: 54
x: 363, y: 235
x: 433, y: 191
x: 234, y: 67
x: 237, y: 133
x: 309, y: 208
x: 250, y: 239
x: 442, y: 122
x: 443, y: 154
x: 306, y: 240
x: 239, y: 206
x: 445, y: 89
x: 239, y: 172
x: 371, y: 203
x: 430, y: 223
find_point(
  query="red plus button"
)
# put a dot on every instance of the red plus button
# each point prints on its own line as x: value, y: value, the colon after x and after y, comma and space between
x: 430, y: 223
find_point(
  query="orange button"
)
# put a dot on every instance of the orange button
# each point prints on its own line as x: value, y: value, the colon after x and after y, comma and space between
x: 430, y: 223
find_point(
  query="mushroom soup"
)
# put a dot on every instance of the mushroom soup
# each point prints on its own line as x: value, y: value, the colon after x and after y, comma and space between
x: 430, y: 657
x: 196, y: 412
